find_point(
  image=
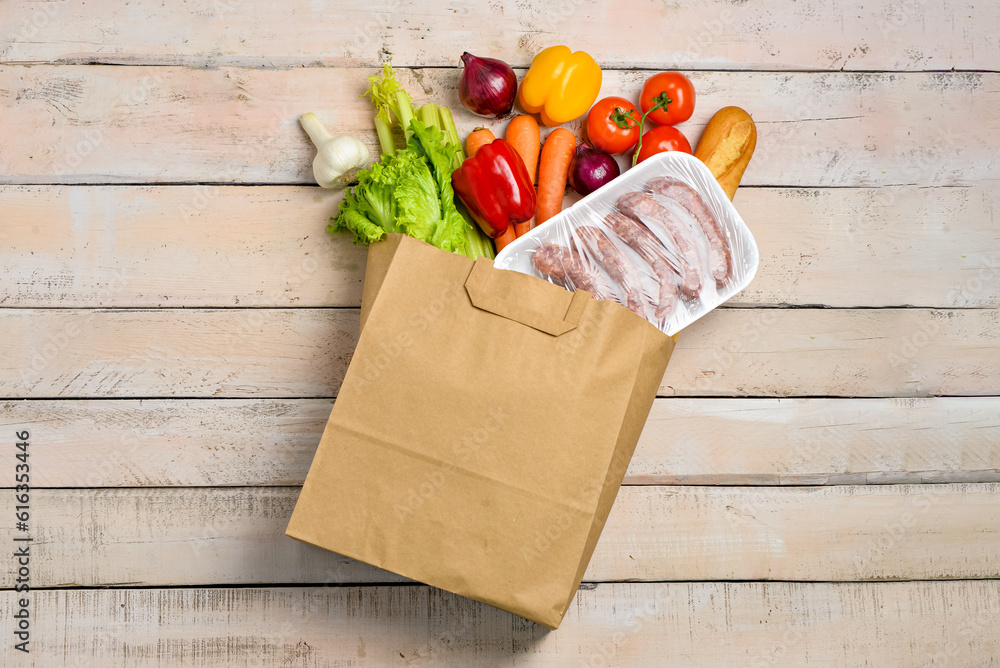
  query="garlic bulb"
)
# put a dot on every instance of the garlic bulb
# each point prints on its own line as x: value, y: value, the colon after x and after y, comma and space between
x: 338, y: 159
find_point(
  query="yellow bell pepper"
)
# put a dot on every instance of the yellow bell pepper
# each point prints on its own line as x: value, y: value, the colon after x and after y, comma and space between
x: 560, y: 85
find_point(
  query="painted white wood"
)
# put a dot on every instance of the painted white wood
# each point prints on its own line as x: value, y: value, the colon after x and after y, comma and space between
x: 710, y: 624
x: 848, y: 246
x: 819, y: 441
x: 102, y: 124
x: 205, y: 246
x: 810, y: 352
x: 242, y: 353
x: 235, y: 536
x: 706, y: 34
x: 175, y: 353
x: 233, y: 442
x: 141, y: 246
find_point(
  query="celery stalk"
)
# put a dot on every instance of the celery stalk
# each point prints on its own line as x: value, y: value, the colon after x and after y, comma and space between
x: 473, y: 248
x: 485, y: 243
x: 405, y: 113
x: 482, y: 244
x: 384, y: 136
x: 429, y: 115
x: 451, y: 132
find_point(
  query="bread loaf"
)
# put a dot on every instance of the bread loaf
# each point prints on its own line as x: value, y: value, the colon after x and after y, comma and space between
x: 727, y: 145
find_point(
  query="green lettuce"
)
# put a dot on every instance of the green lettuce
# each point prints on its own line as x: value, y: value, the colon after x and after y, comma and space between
x: 410, y: 192
x: 409, y: 189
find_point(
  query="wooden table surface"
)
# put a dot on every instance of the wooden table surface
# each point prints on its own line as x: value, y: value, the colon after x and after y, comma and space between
x: 818, y: 483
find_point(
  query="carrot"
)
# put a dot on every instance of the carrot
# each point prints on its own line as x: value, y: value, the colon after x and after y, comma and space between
x: 553, y: 168
x: 523, y: 135
x: 477, y: 138
x: 505, y: 238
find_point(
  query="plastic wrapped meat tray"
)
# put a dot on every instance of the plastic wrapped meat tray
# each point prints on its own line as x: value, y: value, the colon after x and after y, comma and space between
x: 662, y: 240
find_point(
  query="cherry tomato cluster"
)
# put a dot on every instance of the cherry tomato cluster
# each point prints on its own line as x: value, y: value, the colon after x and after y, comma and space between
x: 667, y: 99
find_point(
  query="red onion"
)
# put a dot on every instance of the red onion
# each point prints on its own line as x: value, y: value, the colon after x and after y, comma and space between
x: 590, y: 169
x: 488, y: 86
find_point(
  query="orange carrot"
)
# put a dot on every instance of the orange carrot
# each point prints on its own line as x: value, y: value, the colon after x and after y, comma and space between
x: 523, y: 135
x: 553, y: 168
x: 505, y: 238
x: 477, y: 138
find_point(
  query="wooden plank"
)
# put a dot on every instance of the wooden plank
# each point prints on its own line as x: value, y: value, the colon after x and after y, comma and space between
x: 131, y: 246
x: 102, y: 124
x: 708, y: 34
x: 243, y: 353
x: 809, y: 352
x: 636, y: 624
x: 173, y: 442
x: 197, y: 353
x: 205, y: 246
x: 819, y: 441
x: 222, y: 442
x: 694, y: 624
x: 235, y: 536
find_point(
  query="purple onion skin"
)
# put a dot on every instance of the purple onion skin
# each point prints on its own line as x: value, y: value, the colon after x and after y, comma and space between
x: 590, y: 169
x: 488, y: 86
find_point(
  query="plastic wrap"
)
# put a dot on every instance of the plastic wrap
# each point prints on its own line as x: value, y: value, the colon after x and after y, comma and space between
x: 662, y: 240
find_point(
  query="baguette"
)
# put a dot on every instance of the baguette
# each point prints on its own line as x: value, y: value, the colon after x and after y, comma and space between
x: 727, y: 145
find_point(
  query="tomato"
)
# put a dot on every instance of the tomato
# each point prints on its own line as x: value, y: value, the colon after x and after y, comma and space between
x: 679, y: 102
x: 663, y: 138
x: 613, y: 125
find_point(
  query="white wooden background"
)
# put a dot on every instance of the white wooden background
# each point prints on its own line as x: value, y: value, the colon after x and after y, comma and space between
x: 819, y: 483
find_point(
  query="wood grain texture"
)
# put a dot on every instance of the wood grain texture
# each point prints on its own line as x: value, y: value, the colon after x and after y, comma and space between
x: 218, y: 536
x: 707, y: 34
x: 172, y: 442
x: 635, y: 624
x: 213, y: 442
x: 130, y: 246
x: 866, y: 191
x: 818, y: 441
x: 203, y: 353
x: 101, y: 124
x: 205, y: 246
x: 242, y: 353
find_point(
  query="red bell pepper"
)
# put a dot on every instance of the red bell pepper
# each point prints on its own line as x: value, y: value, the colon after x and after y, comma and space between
x: 496, y: 188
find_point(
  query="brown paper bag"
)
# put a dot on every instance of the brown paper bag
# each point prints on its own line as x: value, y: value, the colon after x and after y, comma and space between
x: 482, y: 430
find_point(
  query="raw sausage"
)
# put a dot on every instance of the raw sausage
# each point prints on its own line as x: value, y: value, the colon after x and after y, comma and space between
x: 646, y: 210
x: 648, y: 247
x: 720, y: 260
x: 617, y: 266
x: 567, y: 267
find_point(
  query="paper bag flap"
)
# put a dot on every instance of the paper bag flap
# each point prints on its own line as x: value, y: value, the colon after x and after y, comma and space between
x: 488, y: 297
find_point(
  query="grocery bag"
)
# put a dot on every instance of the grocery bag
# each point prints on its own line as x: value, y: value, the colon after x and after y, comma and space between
x: 482, y: 430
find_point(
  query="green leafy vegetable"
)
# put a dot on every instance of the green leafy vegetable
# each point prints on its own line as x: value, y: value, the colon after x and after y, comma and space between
x: 391, y: 100
x: 350, y: 219
x: 409, y: 189
x: 374, y: 195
